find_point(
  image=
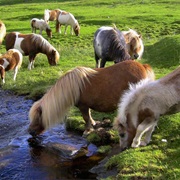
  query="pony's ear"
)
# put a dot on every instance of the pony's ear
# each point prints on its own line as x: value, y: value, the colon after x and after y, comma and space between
x: 140, y: 36
x: 0, y: 25
x: 39, y: 110
x: 53, y: 52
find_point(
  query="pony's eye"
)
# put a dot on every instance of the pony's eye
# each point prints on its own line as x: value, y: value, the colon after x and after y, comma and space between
x: 122, y: 135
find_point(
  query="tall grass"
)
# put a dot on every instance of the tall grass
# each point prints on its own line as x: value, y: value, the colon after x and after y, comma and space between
x: 157, y: 21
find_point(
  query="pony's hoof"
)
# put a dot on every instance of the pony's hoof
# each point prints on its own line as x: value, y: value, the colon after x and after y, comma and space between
x: 87, y: 132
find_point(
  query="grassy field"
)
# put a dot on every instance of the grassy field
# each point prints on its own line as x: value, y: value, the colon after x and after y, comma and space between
x: 157, y: 21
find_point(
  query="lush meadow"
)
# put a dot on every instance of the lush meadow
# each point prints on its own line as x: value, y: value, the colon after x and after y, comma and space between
x: 157, y: 21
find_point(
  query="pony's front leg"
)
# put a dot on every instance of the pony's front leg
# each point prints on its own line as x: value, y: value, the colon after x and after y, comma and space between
x: 86, y: 113
x: 148, y: 134
x: 65, y: 29
x: 31, y: 61
x: 71, y: 31
x: 15, y: 72
x: 145, y: 126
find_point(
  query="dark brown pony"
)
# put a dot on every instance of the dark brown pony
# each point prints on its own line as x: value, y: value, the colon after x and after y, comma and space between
x: 2, y: 31
x: 98, y: 89
x: 11, y: 60
x: 30, y: 45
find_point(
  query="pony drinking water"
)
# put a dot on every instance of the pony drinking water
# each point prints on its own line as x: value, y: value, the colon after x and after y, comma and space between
x: 63, y: 18
x: 30, y: 45
x: 142, y: 105
x: 2, y: 31
x: 134, y: 44
x: 109, y: 45
x: 40, y: 24
x: 98, y: 89
x: 12, y: 59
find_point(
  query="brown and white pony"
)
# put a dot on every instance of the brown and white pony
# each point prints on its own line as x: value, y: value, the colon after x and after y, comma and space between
x: 11, y: 60
x: 142, y: 105
x: 30, y: 45
x: 87, y: 89
x: 134, y: 43
x: 40, y: 24
x: 2, y: 31
x: 109, y: 45
x: 62, y: 18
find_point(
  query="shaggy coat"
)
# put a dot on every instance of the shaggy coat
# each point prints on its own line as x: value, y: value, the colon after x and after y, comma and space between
x: 30, y: 45
x: 41, y: 25
x: 2, y: 31
x: 11, y: 60
x: 143, y: 104
x: 98, y: 89
x: 109, y: 45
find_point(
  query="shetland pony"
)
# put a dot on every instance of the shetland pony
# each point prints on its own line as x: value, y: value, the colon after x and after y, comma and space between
x: 30, y: 45
x: 40, y: 24
x: 87, y: 89
x: 134, y: 44
x: 109, y: 45
x: 2, y: 31
x: 62, y: 18
x: 11, y: 60
x: 142, y: 105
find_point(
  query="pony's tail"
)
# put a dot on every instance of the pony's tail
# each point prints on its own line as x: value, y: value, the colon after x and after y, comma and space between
x: 65, y: 93
x: 149, y: 71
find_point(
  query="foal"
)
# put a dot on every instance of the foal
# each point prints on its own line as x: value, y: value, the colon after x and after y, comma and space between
x: 11, y: 60
x: 143, y: 104
x: 41, y: 25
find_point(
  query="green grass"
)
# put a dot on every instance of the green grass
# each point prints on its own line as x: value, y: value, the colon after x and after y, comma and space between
x: 157, y: 21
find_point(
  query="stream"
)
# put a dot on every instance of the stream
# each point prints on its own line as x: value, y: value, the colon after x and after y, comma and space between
x: 57, y: 154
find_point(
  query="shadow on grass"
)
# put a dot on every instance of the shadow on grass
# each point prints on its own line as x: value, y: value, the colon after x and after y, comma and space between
x: 165, y: 53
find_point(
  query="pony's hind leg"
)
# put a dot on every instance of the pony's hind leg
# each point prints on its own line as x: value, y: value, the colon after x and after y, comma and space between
x: 102, y: 63
x: 97, y: 60
x: 65, y: 29
x: 146, y: 125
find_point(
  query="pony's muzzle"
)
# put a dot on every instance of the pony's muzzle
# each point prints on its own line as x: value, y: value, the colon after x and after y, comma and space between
x: 136, y: 56
x: 32, y: 132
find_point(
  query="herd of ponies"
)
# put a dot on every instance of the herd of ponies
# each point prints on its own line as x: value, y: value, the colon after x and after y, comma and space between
x: 127, y: 86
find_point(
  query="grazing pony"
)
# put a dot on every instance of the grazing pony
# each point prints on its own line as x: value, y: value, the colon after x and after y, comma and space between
x: 134, y: 44
x: 142, y: 105
x: 40, y: 24
x: 12, y: 59
x: 2, y: 31
x: 109, y: 45
x: 62, y: 18
x: 30, y: 45
x: 87, y: 89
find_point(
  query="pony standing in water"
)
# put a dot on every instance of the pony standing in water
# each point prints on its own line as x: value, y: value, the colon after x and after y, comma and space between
x: 109, y: 45
x: 40, y: 24
x: 2, y: 31
x: 143, y: 104
x: 134, y: 44
x: 63, y: 18
x: 12, y: 59
x: 30, y: 45
x: 87, y: 89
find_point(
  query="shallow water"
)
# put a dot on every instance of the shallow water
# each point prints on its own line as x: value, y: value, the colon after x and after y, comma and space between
x: 57, y: 154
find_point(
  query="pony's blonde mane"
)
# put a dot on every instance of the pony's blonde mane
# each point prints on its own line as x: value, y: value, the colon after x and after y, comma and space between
x: 64, y: 94
x: 129, y: 97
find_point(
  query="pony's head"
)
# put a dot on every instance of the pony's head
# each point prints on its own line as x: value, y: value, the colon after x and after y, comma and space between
x: 49, y: 32
x: 46, y: 15
x: 77, y: 29
x: 53, y: 57
x: 36, y: 126
x: 126, y: 133
x: 134, y: 44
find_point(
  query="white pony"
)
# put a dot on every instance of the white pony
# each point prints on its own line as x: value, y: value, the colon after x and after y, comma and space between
x: 40, y: 24
x: 143, y: 104
x: 62, y: 18
x: 134, y: 43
